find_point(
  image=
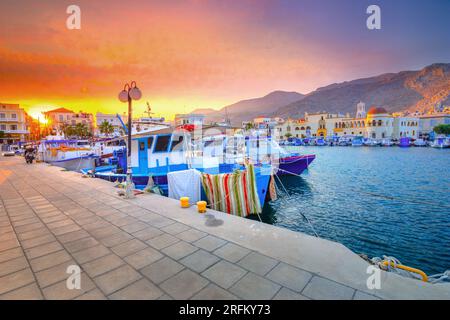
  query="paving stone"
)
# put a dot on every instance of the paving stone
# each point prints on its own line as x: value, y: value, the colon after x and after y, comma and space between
x: 175, y: 228
x: 258, y: 263
x: 15, y: 280
x: 10, y: 254
x: 60, y: 291
x: 209, y: 243
x: 54, y: 274
x: 199, y: 260
x: 191, y: 235
x: 92, y: 295
x: 29, y: 227
x: 13, y: 265
x: 147, y: 233
x: 27, y: 244
x: 134, y: 227
x: 179, y: 250
x: 161, y: 270
x: 143, y: 258
x: 254, y: 287
x: 49, y: 260
x: 129, y: 247
x: 213, y: 292
x: 29, y: 292
x: 323, y: 289
x: 184, y: 284
x: 102, y: 265
x: 9, y: 244
x: 162, y: 241
x: 72, y: 236
x: 224, y: 273
x: 33, y: 234
x: 80, y: 244
x: 359, y: 295
x: 232, y: 252
x: 90, y: 254
x: 286, y: 294
x: 43, y: 249
x: 116, y: 239
x: 140, y: 290
x: 289, y: 276
x: 65, y: 229
x: 157, y: 221
x: 117, y: 279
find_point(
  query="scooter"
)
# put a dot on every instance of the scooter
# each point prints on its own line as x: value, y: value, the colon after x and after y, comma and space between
x: 29, y: 157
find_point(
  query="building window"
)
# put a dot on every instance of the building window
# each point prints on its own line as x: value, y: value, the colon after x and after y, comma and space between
x: 13, y: 127
x: 61, y: 118
x: 2, y: 115
x: 374, y: 135
x: 13, y: 116
x: 2, y: 127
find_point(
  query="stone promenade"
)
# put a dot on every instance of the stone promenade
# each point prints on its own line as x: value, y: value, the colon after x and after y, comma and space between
x: 149, y: 248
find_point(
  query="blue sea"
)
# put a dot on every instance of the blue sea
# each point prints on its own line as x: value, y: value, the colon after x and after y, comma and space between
x: 377, y: 201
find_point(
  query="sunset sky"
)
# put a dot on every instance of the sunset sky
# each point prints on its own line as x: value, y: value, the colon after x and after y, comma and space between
x: 199, y: 53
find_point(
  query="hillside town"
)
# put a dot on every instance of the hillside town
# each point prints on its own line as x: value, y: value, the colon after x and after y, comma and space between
x: 16, y: 126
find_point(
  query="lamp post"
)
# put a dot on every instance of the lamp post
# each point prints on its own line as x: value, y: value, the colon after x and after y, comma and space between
x: 130, y: 92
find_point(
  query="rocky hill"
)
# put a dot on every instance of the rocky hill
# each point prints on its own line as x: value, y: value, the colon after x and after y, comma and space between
x: 408, y: 90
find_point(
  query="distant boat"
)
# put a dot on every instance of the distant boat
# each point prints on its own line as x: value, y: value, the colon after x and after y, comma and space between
x: 420, y: 143
x: 357, y: 142
x: 441, y: 143
x: 372, y: 143
x: 405, y: 142
x: 387, y: 143
x: 320, y: 142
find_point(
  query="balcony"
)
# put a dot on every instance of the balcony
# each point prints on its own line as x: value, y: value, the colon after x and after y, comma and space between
x: 10, y: 120
x: 15, y: 131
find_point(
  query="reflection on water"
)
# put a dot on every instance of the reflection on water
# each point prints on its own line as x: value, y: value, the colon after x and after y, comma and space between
x: 377, y: 201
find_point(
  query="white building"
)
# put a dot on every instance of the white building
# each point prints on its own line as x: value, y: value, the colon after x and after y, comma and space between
x: 183, y: 119
x: 111, y: 119
x: 377, y: 123
x: 12, y: 123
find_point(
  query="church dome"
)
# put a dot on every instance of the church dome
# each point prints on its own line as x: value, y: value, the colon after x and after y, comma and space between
x: 376, y: 110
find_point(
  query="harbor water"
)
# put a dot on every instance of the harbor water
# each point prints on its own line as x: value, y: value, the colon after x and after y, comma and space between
x: 377, y: 201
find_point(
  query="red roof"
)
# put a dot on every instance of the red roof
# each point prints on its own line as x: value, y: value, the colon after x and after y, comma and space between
x: 60, y: 110
x: 376, y: 110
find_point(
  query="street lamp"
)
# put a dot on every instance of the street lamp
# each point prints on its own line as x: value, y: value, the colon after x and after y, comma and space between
x: 130, y: 92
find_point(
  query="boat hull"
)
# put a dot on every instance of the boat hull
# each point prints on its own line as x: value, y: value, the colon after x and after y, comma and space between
x: 294, y: 165
x: 75, y: 164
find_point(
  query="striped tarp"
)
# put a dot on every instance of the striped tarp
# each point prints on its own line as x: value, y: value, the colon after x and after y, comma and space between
x: 234, y: 193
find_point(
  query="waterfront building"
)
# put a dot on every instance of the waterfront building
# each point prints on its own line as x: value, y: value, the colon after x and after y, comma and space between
x: 111, y: 119
x: 192, y: 118
x: 427, y: 122
x: 57, y: 118
x: 12, y: 123
x: 60, y: 118
x: 376, y: 123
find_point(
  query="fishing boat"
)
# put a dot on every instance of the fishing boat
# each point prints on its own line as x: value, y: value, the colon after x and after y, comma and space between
x: 73, y: 155
x: 372, y: 143
x: 420, y: 143
x: 157, y: 153
x: 404, y: 142
x: 441, y: 143
x: 105, y: 148
x: 357, y: 142
x: 320, y: 142
x: 387, y: 142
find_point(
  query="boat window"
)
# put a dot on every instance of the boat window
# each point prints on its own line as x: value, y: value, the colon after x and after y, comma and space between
x: 149, y: 143
x: 175, y: 142
x: 162, y: 143
x: 141, y: 145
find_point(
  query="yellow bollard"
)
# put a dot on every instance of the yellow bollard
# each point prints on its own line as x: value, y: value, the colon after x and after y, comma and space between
x: 184, y: 201
x: 201, y: 206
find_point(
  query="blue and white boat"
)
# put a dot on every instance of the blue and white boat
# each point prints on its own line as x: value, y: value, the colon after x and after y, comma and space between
x: 73, y: 155
x: 156, y: 153
x: 441, y: 142
x: 357, y: 142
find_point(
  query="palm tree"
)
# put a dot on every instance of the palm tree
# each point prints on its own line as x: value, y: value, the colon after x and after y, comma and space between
x: 106, y: 128
x: 81, y: 130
